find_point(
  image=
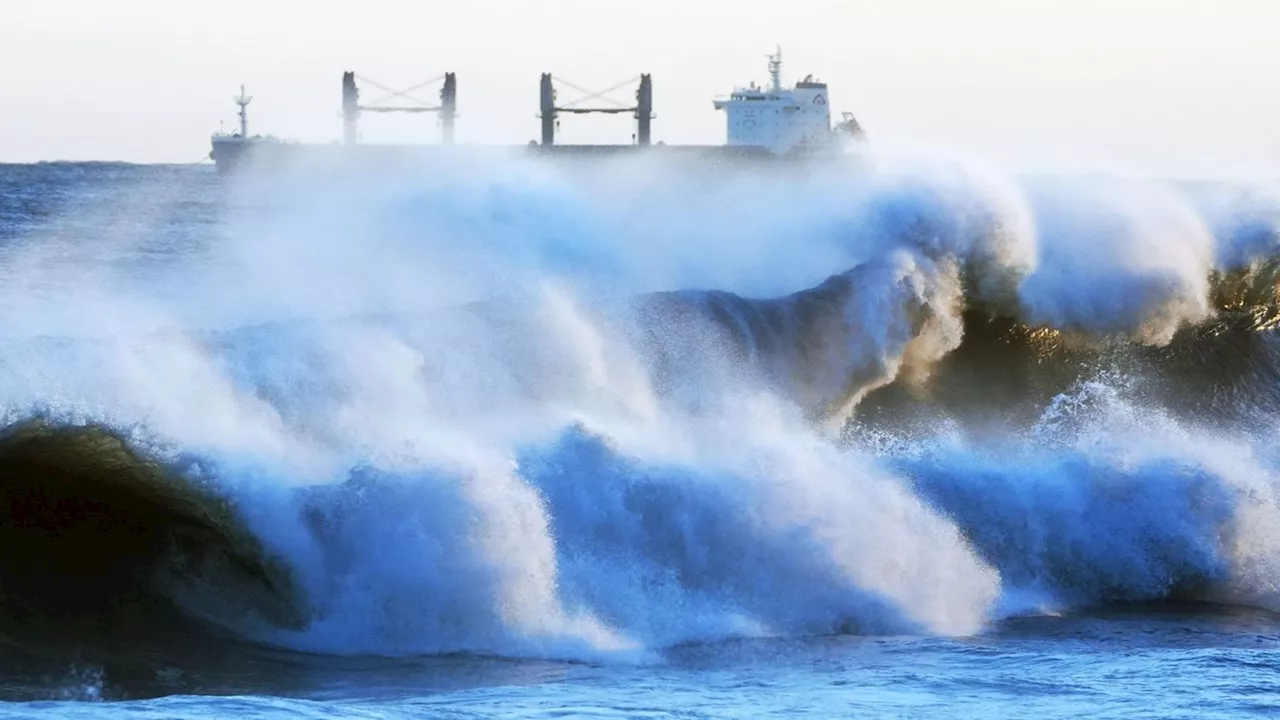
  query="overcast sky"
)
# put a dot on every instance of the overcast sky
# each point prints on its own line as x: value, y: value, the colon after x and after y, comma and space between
x: 1187, y: 88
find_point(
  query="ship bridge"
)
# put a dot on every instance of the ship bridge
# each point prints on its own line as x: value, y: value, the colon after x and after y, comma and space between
x: 782, y: 120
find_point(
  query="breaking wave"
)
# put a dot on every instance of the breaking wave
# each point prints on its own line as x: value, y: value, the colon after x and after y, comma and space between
x: 599, y: 412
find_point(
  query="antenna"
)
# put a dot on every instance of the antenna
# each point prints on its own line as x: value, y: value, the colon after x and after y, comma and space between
x: 775, y: 70
x: 243, y: 101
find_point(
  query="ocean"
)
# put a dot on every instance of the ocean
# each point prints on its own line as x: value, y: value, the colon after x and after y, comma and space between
x: 902, y: 436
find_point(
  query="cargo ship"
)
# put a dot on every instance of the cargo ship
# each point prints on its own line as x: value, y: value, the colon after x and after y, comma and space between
x: 762, y: 122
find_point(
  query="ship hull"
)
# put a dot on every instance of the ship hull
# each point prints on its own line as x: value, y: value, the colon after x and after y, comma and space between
x: 240, y: 156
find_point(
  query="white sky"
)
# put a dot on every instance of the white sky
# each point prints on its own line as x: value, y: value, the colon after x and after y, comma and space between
x: 1185, y: 88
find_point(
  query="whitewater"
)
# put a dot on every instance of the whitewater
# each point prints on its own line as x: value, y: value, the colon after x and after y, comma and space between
x: 896, y: 434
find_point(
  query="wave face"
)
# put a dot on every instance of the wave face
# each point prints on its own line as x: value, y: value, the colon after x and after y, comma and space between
x: 598, y: 412
x: 96, y: 531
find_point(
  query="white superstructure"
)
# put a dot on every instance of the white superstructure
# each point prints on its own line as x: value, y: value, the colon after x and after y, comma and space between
x: 783, y: 120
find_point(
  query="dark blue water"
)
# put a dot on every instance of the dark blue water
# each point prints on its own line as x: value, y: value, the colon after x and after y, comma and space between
x: 1157, y: 662
x: 424, y: 459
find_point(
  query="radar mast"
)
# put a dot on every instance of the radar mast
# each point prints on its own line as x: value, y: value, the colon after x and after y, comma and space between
x: 775, y: 70
x: 243, y: 101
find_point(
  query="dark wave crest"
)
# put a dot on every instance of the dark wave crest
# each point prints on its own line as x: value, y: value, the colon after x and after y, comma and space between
x: 907, y: 339
x: 95, y: 534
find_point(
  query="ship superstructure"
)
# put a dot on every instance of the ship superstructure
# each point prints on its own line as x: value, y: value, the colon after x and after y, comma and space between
x: 785, y: 121
x: 228, y: 148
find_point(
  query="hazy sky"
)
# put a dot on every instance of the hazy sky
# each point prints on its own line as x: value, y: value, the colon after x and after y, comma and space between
x: 1179, y: 87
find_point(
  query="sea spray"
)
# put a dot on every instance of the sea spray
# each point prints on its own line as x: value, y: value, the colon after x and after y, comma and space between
x: 450, y: 408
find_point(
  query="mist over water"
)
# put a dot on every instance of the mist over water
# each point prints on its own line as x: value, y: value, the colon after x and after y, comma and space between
x: 601, y: 412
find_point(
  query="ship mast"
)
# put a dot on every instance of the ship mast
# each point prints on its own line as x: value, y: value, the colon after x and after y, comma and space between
x: 775, y: 70
x: 243, y: 101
